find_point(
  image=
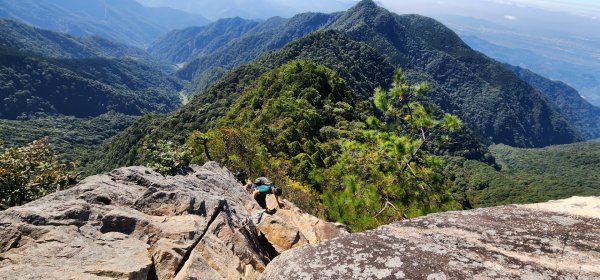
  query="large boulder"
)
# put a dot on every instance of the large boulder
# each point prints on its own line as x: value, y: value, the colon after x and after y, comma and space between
x: 290, y: 227
x: 134, y: 223
x: 554, y: 240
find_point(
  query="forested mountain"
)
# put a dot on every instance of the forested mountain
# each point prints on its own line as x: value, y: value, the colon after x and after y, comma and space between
x: 123, y: 21
x: 31, y: 85
x: 359, y: 65
x: 272, y: 34
x: 298, y: 123
x: 28, y: 39
x: 317, y: 102
x: 555, y: 44
x: 183, y: 45
x: 485, y: 94
x: 251, y: 9
x: 76, y: 91
x: 583, y: 115
x: 491, y: 100
x: 331, y: 48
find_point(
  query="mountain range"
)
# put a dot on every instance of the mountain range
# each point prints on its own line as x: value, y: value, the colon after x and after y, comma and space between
x: 363, y: 45
x: 302, y: 100
x: 491, y: 107
x: 571, y: 58
x: 82, y: 87
x: 556, y: 39
x: 25, y: 38
x: 251, y: 9
x: 124, y: 21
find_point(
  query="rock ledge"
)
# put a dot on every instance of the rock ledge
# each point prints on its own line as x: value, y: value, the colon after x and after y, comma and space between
x: 134, y: 223
x: 554, y: 240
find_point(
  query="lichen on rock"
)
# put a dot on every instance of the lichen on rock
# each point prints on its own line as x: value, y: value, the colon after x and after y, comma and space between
x: 508, y: 242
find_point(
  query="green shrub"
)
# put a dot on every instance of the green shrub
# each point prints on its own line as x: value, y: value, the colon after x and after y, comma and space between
x: 30, y: 172
x: 165, y: 157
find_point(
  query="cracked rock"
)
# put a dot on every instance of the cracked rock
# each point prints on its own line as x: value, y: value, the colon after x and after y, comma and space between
x: 134, y: 223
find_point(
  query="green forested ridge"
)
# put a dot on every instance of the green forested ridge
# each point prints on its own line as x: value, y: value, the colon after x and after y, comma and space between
x: 330, y: 48
x: 583, y: 115
x: 305, y: 115
x: 31, y: 85
x: 493, y: 102
x: 273, y: 35
x: 179, y: 46
x: 302, y: 126
x: 362, y: 68
x: 530, y: 175
x: 486, y: 95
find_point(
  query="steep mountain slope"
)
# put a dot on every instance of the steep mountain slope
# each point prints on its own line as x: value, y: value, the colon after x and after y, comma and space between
x: 271, y: 35
x: 361, y: 67
x: 28, y: 39
x: 330, y: 48
x: 81, y: 87
x: 583, y: 115
x: 493, y: 102
x: 485, y: 94
x: 183, y: 45
x: 294, y: 124
x: 123, y: 21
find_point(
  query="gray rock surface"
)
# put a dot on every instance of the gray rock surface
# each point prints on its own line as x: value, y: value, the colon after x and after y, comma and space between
x: 538, y: 241
x: 134, y: 223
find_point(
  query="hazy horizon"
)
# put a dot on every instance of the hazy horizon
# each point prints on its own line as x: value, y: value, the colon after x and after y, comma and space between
x: 587, y: 8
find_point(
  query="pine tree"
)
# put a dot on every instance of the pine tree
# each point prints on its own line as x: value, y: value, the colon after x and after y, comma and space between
x: 387, y: 175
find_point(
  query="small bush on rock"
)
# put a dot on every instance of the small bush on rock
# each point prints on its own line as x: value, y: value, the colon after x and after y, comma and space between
x: 30, y: 172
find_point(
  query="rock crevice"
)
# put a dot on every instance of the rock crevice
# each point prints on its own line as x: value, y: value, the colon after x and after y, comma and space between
x: 187, y: 254
x: 134, y: 223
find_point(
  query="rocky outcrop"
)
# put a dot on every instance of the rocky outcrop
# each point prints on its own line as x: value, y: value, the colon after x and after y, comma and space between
x: 134, y: 223
x: 290, y: 227
x: 554, y: 240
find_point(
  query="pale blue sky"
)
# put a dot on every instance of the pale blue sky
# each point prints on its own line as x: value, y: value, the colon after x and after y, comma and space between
x: 588, y: 8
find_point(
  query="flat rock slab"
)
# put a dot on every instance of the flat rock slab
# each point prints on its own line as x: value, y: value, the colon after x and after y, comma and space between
x: 508, y: 242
